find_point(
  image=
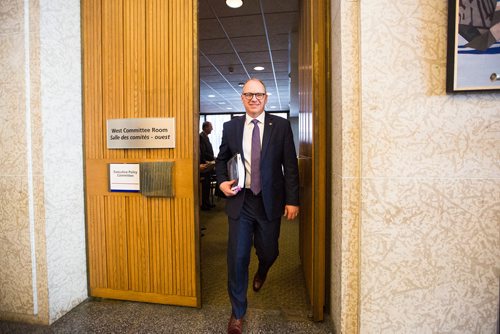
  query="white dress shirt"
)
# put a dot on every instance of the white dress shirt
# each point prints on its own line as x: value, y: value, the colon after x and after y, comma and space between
x: 247, y: 143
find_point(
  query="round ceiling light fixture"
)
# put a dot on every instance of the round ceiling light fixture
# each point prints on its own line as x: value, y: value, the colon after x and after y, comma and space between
x: 234, y: 3
x: 259, y: 68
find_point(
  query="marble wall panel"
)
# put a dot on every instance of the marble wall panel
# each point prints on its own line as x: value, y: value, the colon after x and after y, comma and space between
x: 12, y: 131
x: 351, y: 76
x: 11, y: 17
x: 12, y: 60
x: 40, y: 251
x: 411, y: 128
x: 336, y: 94
x: 15, y: 256
x: 38, y: 168
x: 336, y: 258
x: 344, y: 287
x: 430, y: 256
x: 61, y: 108
x: 430, y: 241
x: 53, y: 143
x: 336, y: 186
x: 12, y: 106
x: 430, y: 244
x: 66, y: 235
x: 35, y: 83
x: 350, y: 261
x: 16, y: 292
x: 421, y: 137
x: 406, y: 41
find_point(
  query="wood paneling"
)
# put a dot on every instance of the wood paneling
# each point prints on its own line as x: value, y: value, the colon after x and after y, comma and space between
x: 140, y: 60
x: 313, y: 125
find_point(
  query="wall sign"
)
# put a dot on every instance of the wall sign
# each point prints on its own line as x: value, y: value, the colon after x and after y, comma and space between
x: 141, y: 133
x: 124, y: 177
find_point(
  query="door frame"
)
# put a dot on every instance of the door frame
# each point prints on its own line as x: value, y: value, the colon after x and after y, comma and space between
x: 315, y: 162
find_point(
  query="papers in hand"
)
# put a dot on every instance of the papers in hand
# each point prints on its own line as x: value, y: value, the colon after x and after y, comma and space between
x: 236, y: 171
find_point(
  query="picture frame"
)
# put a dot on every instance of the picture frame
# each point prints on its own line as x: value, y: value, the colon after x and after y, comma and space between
x: 473, y: 62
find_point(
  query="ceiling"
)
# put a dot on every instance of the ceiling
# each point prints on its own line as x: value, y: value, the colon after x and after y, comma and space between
x: 234, y: 41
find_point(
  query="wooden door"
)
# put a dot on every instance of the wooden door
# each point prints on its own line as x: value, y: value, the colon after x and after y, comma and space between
x: 140, y: 61
x: 313, y: 83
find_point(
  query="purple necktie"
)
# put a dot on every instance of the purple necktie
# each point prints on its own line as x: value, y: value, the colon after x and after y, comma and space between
x: 255, y: 160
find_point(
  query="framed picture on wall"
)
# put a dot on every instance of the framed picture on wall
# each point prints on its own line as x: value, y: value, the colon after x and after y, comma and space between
x: 473, y: 45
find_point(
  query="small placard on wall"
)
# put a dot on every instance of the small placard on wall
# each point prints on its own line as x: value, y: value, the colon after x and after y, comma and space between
x: 131, y: 133
x: 157, y: 179
x: 124, y: 177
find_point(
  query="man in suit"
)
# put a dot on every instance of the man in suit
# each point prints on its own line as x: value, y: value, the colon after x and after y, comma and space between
x: 206, y: 165
x: 265, y: 143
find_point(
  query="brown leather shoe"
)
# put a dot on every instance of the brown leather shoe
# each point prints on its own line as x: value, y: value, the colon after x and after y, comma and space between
x: 235, y: 326
x: 258, y: 282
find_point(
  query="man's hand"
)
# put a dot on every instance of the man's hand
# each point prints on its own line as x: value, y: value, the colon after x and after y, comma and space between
x: 206, y: 167
x: 291, y: 211
x: 226, y: 186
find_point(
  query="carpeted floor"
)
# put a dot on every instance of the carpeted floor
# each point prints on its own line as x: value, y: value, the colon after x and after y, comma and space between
x: 284, y: 288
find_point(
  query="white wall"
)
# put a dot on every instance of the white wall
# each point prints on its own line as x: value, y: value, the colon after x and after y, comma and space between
x: 61, y: 109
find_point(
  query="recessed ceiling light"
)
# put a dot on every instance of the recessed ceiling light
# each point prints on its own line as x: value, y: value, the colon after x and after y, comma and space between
x: 259, y: 68
x: 273, y: 107
x: 241, y: 84
x: 269, y: 93
x: 234, y: 3
x: 211, y: 95
x: 221, y: 102
x: 229, y: 108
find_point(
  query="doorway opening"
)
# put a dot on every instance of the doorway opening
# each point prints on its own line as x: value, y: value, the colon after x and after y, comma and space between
x: 234, y: 44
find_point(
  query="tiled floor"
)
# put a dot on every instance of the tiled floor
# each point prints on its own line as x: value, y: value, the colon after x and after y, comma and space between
x: 280, y: 307
x: 108, y: 316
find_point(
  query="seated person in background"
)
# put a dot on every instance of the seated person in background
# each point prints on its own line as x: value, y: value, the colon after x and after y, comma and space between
x: 207, y: 164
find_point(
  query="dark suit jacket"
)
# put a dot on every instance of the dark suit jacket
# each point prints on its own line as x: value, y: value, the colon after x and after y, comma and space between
x: 206, y: 150
x: 278, y: 165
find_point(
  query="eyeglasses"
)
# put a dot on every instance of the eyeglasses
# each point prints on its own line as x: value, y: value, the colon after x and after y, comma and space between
x: 249, y: 96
